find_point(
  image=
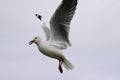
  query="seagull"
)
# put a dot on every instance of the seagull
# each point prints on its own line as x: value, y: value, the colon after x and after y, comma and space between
x: 57, y: 37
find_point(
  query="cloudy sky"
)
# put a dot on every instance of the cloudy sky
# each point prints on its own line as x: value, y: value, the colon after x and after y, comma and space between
x: 94, y: 34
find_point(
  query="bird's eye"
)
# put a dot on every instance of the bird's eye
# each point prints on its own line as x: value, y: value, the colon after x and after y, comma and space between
x: 35, y: 37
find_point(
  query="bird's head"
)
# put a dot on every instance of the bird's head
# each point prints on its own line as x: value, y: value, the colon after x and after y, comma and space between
x: 35, y: 40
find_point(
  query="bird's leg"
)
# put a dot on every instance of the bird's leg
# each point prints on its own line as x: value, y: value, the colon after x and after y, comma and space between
x: 60, y: 66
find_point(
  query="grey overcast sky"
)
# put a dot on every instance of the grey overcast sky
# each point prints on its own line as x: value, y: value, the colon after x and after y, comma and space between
x: 94, y: 34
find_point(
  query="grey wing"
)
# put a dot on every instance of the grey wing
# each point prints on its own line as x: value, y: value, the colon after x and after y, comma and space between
x: 60, y: 22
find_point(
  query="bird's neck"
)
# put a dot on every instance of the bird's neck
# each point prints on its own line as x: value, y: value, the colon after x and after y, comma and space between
x: 42, y: 45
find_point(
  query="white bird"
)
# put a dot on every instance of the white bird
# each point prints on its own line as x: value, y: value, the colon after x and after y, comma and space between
x: 57, y: 36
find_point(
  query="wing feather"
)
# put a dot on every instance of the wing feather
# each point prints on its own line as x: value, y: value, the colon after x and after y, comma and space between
x: 60, y: 22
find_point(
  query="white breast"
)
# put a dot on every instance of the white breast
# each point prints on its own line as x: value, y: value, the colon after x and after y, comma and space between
x: 49, y: 50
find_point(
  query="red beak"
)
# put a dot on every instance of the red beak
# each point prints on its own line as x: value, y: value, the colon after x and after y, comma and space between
x: 31, y: 42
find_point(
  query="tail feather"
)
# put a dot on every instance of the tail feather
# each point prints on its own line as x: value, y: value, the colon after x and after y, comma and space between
x: 67, y: 64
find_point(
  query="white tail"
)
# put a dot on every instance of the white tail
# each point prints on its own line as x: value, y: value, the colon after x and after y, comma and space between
x: 67, y: 64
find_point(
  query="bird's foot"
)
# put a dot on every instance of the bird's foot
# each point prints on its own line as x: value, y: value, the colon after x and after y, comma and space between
x: 60, y: 69
x: 60, y: 66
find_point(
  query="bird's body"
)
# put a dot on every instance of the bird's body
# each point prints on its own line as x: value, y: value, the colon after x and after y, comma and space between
x: 49, y: 50
x: 57, y: 36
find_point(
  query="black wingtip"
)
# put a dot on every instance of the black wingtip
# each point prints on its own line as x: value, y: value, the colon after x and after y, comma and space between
x: 38, y: 16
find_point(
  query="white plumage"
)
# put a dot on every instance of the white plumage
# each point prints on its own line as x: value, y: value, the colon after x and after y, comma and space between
x: 57, y: 36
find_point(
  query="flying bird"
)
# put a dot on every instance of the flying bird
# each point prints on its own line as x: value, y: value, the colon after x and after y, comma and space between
x: 57, y: 37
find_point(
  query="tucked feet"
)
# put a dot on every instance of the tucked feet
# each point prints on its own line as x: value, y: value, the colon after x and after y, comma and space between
x: 60, y: 66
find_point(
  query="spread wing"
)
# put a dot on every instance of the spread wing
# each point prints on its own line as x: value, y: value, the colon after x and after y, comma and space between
x: 44, y: 27
x: 60, y: 23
